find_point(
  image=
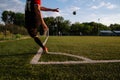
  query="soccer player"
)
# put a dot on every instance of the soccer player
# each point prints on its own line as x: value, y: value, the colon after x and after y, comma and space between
x: 34, y: 19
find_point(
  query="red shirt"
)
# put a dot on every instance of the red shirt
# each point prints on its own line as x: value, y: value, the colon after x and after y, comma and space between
x: 37, y: 2
x: 30, y: 5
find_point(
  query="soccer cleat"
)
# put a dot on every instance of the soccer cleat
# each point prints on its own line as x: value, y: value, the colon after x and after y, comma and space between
x: 45, y: 50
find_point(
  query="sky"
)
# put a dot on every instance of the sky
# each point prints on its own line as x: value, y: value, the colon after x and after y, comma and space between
x: 102, y: 11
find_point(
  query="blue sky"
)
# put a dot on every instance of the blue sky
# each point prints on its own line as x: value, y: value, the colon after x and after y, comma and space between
x: 107, y: 11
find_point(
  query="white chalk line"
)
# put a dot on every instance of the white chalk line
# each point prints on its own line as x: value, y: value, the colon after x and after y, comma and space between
x: 36, y: 58
x: 38, y: 55
x: 83, y: 61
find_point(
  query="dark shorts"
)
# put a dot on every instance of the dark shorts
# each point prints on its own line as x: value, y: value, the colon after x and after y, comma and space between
x: 30, y: 24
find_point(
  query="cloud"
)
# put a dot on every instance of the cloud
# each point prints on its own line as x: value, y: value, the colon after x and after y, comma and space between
x: 70, y: 9
x: 53, y: 14
x: 13, y: 5
x: 74, y: 8
x: 63, y: 0
x: 111, y: 6
x: 107, y: 5
x: 106, y: 19
x: 93, y: 0
x: 110, y: 19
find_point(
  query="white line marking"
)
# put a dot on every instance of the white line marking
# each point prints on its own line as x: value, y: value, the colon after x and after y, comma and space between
x: 81, y: 62
x: 38, y: 55
x: 66, y: 54
x: 85, y: 60
x: 36, y: 58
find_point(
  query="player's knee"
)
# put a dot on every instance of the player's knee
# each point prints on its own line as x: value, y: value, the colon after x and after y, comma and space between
x: 33, y: 36
x: 32, y: 32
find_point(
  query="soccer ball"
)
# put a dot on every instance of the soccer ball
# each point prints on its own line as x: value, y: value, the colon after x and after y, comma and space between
x: 74, y: 12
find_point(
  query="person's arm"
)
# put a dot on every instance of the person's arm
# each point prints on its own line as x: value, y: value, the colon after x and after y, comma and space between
x: 49, y: 9
x: 39, y: 16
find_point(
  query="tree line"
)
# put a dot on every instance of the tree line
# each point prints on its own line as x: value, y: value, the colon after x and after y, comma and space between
x: 15, y: 22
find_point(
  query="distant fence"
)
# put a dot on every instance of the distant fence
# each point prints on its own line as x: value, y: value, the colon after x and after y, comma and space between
x: 109, y: 33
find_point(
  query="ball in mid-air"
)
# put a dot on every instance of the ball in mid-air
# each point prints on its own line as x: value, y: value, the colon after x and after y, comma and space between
x: 74, y: 12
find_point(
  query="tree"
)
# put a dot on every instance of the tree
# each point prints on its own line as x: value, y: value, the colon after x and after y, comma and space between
x: 96, y: 27
x: 58, y: 23
x: 75, y: 28
x: 8, y: 17
x: 19, y: 19
x: 50, y: 21
x: 65, y: 27
x: 1, y: 27
x: 13, y: 20
x: 115, y: 27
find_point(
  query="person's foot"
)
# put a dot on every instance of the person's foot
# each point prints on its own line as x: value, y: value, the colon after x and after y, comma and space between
x: 45, y: 50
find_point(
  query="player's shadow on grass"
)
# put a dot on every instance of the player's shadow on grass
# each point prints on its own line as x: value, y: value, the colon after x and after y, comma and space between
x: 15, y: 54
x: 15, y: 59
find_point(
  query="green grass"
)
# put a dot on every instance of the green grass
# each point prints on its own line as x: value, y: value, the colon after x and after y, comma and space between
x: 15, y: 59
x: 10, y: 37
x: 56, y: 57
x: 91, y: 47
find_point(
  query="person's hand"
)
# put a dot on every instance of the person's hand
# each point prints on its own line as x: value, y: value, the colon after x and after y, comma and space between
x: 56, y: 10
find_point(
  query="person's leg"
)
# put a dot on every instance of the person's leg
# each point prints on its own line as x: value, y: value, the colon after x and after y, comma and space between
x: 38, y: 41
x: 31, y: 26
x: 33, y: 33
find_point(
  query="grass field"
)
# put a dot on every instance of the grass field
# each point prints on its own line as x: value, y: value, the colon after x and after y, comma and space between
x: 91, y: 47
x: 15, y: 59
